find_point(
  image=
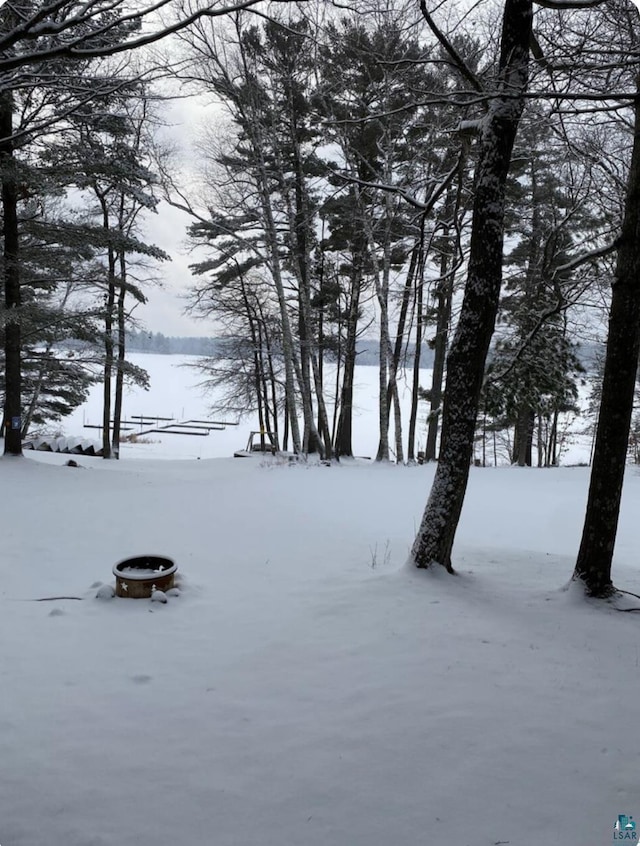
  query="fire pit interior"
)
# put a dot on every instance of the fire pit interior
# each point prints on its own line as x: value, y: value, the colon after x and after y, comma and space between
x: 137, y: 578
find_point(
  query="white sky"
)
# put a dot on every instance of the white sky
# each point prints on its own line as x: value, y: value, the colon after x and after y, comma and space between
x: 164, y: 311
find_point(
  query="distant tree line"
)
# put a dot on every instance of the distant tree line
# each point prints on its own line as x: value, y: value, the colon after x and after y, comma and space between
x: 367, y: 352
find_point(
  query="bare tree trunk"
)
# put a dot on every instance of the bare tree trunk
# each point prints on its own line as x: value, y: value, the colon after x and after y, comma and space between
x: 261, y: 384
x: 397, y: 421
x: 121, y: 357
x: 256, y: 343
x: 444, y: 295
x: 288, y: 352
x: 523, y: 438
x: 543, y: 435
x: 27, y: 417
x: 553, y: 439
x: 343, y: 439
x: 467, y: 357
x: 310, y: 437
x: 386, y: 364
x: 110, y: 299
x: 285, y: 436
x: 323, y: 417
x: 396, y: 353
x: 268, y: 372
x: 593, y: 565
x: 298, y: 211
x: 12, y: 421
x: 444, y: 300
x: 413, y: 417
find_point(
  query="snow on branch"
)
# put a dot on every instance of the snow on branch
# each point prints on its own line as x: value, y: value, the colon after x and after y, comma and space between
x: 425, y: 206
x: 586, y: 257
x: 561, y: 304
x: 569, y: 4
x: 86, y: 32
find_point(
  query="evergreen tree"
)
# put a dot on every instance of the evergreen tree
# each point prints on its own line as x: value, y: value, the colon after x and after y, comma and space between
x: 104, y: 154
x: 533, y: 372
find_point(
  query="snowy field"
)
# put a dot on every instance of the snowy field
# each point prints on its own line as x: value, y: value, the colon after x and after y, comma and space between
x: 306, y: 688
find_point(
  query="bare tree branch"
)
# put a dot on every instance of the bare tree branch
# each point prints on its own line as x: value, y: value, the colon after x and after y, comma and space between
x: 83, y: 32
x: 458, y: 61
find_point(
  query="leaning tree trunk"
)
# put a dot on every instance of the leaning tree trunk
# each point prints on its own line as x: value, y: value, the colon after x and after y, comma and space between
x: 467, y: 357
x: 12, y: 423
x: 593, y: 566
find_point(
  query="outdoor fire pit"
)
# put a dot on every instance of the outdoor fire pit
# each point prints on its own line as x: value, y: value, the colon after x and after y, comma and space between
x: 137, y: 578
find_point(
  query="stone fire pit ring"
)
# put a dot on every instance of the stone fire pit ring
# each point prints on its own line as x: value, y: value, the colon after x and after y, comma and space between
x: 137, y: 578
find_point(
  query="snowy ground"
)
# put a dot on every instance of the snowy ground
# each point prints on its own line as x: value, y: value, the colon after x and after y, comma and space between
x: 306, y: 689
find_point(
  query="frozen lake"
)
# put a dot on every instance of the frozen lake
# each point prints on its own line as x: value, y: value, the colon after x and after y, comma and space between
x: 175, y: 392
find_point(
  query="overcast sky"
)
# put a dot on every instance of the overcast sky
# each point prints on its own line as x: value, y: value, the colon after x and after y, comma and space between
x: 164, y: 311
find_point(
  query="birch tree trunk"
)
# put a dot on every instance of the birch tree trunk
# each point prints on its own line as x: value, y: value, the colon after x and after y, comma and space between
x: 467, y: 356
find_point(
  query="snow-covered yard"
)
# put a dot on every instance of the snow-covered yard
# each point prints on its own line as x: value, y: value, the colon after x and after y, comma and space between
x: 305, y: 687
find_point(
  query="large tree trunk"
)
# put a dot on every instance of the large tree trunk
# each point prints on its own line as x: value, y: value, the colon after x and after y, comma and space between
x: 593, y: 566
x: 467, y: 357
x: 523, y: 437
x: 12, y: 423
